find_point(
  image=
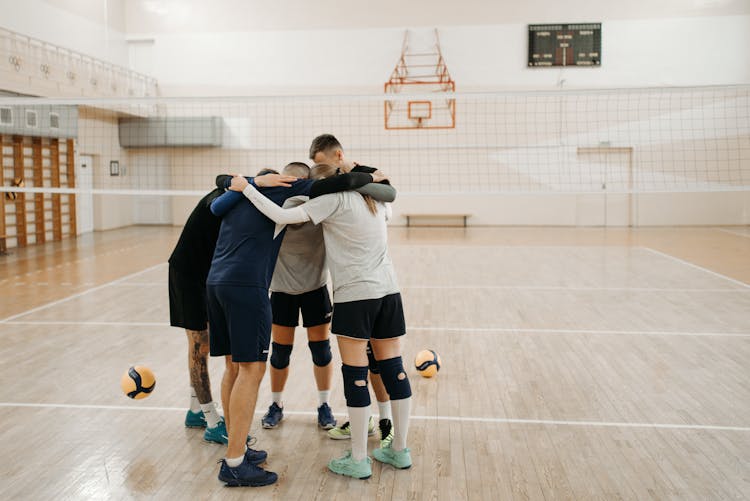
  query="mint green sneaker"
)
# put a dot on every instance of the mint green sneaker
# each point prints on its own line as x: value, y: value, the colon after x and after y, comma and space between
x: 346, y: 465
x: 195, y: 419
x: 399, y: 459
x: 343, y: 432
x: 217, y: 434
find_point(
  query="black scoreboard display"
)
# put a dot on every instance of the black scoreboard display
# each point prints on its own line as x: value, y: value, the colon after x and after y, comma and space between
x: 565, y: 44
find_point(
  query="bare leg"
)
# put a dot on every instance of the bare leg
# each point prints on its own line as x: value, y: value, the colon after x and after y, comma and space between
x: 377, y: 387
x: 227, y: 383
x: 242, y: 401
x: 198, y: 364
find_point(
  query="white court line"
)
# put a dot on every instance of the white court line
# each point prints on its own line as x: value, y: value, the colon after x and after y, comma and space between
x: 79, y: 294
x: 578, y: 331
x: 695, y: 266
x: 84, y: 322
x: 513, y: 287
x: 574, y: 288
x: 149, y: 284
x: 509, y: 330
x: 497, y: 287
x: 733, y: 232
x: 545, y: 422
x: 441, y: 245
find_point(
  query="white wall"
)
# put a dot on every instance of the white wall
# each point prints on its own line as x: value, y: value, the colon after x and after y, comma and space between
x: 91, y: 27
x: 98, y: 138
x: 663, y: 52
x: 186, y: 16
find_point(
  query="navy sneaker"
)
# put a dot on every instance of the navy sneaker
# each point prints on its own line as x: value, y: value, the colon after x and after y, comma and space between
x: 273, y: 417
x: 245, y: 475
x: 255, y: 457
x: 325, y: 417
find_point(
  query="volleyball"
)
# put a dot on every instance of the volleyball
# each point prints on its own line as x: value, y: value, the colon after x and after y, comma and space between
x: 12, y: 195
x: 427, y: 363
x: 138, y: 382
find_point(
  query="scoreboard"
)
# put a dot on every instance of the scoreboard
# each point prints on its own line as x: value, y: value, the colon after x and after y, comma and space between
x: 565, y: 44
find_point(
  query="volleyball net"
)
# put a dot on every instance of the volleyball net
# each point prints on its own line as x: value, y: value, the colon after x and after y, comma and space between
x: 544, y: 143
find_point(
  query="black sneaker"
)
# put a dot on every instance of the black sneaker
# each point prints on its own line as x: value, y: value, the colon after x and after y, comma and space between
x: 245, y: 475
x: 386, y: 432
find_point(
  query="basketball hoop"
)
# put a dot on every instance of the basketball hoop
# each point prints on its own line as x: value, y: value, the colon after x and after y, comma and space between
x: 420, y: 72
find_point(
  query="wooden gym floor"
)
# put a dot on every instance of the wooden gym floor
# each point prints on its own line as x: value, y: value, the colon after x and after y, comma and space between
x: 578, y: 364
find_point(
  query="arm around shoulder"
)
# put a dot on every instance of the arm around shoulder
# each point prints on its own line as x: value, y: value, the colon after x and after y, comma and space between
x: 379, y: 191
x: 344, y: 182
x: 273, y: 211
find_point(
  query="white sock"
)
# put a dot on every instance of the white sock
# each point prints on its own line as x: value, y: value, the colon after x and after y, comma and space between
x: 323, y: 397
x: 358, y: 417
x: 195, y: 405
x: 384, y: 409
x: 211, y: 414
x: 276, y: 397
x: 401, y: 410
x: 235, y: 462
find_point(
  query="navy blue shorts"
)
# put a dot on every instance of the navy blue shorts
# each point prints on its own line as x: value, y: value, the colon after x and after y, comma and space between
x: 315, y: 306
x: 240, y: 319
x: 381, y: 318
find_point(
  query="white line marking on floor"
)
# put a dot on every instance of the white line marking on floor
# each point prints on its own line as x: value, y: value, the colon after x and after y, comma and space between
x: 75, y: 322
x: 514, y: 287
x: 572, y: 288
x: 578, y: 331
x: 79, y: 294
x: 150, y: 284
x: 544, y: 422
x: 441, y: 245
x: 733, y: 232
x: 695, y: 266
x: 509, y: 330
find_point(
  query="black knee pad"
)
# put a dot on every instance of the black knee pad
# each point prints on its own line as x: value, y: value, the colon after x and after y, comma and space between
x: 321, y: 352
x: 394, y: 378
x: 280, y: 355
x: 355, y: 386
x: 371, y: 360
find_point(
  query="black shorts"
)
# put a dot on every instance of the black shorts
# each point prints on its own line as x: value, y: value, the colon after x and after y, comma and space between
x: 315, y: 306
x: 187, y: 301
x: 240, y: 320
x: 370, y: 318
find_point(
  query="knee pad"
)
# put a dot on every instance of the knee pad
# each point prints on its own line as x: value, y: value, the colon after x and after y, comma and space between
x: 280, y: 355
x: 355, y: 386
x: 371, y: 360
x: 394, y: 378
x: 321, y: 352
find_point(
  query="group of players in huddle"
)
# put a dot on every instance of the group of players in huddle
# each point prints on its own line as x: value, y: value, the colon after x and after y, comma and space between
x: 284, y: 232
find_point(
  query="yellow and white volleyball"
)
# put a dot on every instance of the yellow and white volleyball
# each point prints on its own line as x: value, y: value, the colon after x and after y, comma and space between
x: 427, y: 363
x: 138, y: 382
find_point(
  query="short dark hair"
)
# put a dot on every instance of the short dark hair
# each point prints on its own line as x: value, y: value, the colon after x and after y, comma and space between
x: 263, y: 172
x: 297, y: 169
x: 323, y: 142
